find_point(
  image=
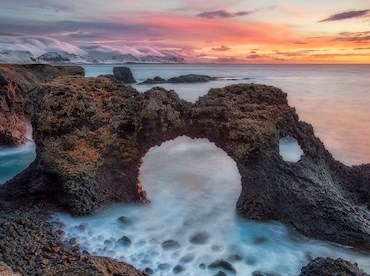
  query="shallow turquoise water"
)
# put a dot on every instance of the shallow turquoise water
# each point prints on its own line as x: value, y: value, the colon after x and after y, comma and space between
x: 193, y: 185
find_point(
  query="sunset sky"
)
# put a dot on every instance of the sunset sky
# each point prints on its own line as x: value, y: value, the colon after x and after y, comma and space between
x: 251, y: 31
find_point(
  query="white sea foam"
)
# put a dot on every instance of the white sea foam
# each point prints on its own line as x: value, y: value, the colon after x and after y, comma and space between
x: 193, y: 187
x: 15, y: 160
x: 289, y: 149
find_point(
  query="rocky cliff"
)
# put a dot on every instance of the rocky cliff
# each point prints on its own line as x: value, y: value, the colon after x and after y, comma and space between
x: 15, y: 82
x: 91, y: 135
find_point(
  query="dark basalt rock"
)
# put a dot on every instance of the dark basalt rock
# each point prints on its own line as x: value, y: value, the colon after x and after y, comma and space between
x: 222, y: 264
x: 170, y: 244
x: 199, y: 238
x: 156, y: 80
x: 91, y: 135
x: 125, y: 241
x: 123, y: 74
x: 191, y: 78
x: 330, y: 267
x: 178, y: 269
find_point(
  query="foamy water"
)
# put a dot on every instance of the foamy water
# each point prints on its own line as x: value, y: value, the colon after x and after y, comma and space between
x: 190, y: 223
x: 289, y: 149
x: 15, y: 160
x: 193, y: 185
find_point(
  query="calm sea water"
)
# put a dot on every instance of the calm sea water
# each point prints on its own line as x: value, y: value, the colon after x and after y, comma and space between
x: 335, y: 99
x: 193, y: 185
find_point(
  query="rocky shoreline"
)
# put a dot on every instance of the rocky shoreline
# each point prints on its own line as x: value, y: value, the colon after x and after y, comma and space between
x: 91, y: 134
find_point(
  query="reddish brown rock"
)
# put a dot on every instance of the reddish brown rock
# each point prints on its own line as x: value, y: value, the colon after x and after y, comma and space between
x: 15, y: 82
x: 91, y: 135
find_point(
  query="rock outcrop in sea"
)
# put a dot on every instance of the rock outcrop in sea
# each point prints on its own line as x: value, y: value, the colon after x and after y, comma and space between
x: 329, y: 267
x: 91, y: 135
x: 190, y: 78
x: 123, y: 74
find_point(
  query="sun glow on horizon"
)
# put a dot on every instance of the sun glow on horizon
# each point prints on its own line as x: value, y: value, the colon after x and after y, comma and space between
x: 222, y: 31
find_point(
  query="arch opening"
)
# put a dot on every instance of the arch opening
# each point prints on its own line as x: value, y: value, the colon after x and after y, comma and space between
x: 191, y: 225
x: 289, y: 149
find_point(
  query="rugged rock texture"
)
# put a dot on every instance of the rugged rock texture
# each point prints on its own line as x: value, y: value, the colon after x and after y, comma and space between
x: 91, y: 135
x: 15, y: 82
x: 191, y: 78
x: 30, y: 246
x: 330, y: 267
x: 6, y: 270
x: 123, y: 74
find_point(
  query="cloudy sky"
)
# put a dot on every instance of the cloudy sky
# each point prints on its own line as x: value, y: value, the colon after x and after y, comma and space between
x: 252, y: 31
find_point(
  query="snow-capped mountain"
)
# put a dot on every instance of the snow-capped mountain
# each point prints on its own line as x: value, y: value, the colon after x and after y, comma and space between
x: 16, y: 56
x: 161, y: 59
x: 63, y: 57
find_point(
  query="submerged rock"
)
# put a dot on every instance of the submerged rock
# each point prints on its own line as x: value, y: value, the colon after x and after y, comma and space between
x: 125, y: 241
x: 199, y: 238
x: 123, y: 74
x: 170, y: 244
x: 178, y: 269
x: 330, y: 267
x: 222, y: 264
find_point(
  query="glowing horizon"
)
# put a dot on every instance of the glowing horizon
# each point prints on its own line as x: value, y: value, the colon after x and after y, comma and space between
x: 222, y: 31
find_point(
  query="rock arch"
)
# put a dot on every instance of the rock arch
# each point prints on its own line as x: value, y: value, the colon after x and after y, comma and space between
x: 91, y: 135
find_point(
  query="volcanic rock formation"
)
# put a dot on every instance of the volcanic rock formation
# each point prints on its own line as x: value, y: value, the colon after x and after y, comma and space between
x: 15, y: 82
x: 123, y: 74
x: 91, y: 135
x: 330, y: 267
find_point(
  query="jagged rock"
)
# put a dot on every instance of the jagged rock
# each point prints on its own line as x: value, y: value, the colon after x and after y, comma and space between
x: 330, y: 267
x: 123, y: 74
x: 91, y: 135
x: 191, y: 78
x: 15, y: 82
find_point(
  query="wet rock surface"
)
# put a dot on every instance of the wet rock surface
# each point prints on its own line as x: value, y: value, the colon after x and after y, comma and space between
x: 15, y: 82
x: 123, y: 74
x: 331, y: 267
x: 29, y: 245
x: 91, y: 135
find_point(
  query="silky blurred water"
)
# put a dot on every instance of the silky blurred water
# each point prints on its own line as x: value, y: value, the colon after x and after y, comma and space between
x: 193, y: 186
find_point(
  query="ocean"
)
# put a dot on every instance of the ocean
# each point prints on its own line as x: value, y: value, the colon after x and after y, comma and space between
x: 193, y: 185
